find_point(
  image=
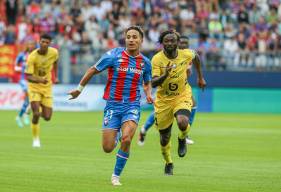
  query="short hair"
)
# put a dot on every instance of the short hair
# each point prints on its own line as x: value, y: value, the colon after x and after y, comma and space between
x: 164, y: 33
x: 46, y: 36
x: 137, y: 28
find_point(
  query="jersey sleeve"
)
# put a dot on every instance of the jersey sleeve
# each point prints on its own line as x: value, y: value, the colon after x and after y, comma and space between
x: 18, y: 59
x: 56, y: 55
x: 30, y: 65
x: 147, y: 72
x: 105, y: 61
x: 155, y: 67
x: 193, y: 53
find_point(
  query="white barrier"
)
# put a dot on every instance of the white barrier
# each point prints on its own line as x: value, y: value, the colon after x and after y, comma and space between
x: 11, y: 98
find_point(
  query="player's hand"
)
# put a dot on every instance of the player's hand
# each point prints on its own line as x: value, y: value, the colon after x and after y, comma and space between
x: 56, y: 81
x: 74, y: 94
x: 201, y: 83
x: 44, y: 81
x: 168, y: 69
x: 149, y: 99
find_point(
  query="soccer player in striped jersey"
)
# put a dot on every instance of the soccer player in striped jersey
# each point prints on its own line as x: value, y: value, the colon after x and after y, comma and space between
x: 127, y: 69
x: 183, y: 44
x: 20, y: 65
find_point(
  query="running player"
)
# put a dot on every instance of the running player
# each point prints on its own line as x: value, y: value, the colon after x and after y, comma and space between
x: 183, y: 44
x: 20, y: 65
x: 172, y: 97
x: 128, y: 69
x: 39, y: 72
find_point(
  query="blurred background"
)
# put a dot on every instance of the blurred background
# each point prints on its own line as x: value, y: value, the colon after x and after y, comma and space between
x: 239, y: 43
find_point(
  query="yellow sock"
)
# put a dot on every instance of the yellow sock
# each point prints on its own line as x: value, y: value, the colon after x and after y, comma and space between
x: 183, y: 134
x: 166, y: 152
x: 35, y: 130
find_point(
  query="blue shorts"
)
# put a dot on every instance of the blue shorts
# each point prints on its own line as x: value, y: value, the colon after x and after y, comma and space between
x: 23, y: 85
x: 116, y: 113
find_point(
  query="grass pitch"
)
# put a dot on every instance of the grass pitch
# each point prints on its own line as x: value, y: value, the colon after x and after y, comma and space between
x: 232, y: 153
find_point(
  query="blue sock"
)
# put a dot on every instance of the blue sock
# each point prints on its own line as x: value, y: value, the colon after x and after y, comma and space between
x: 24, y: 107
x: 149, y: 122
x: 192, y: 115
x: 121, y: 159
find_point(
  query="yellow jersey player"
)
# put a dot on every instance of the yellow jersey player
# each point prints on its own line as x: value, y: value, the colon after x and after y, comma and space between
x: 40, y: 63
x: 173, y: 99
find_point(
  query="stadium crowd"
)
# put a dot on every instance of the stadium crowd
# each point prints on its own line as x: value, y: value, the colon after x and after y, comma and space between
x: 229, y: 35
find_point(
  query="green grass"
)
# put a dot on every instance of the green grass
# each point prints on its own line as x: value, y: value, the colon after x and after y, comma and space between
x: 232, y: 153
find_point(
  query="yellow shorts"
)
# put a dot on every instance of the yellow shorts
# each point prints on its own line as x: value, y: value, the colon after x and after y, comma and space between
x: 164, y: 111
x: 44, y: 99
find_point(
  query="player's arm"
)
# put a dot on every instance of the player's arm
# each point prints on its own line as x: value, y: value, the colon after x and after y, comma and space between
x: 147, y: 90
x: 35, y: 79
x: 158, y: 80
x: 83, y: 82
x: 200, y: 79
x: 29, y: 71
x: 105, y: 61
x: 17, y: 64
x: 56, y: 71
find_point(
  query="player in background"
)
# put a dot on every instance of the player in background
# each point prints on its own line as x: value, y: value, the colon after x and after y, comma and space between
x: 173, y: 99
x: 40, y: 64
x: 20, y: 65
x: 183, y: 44
x: 127, y: 69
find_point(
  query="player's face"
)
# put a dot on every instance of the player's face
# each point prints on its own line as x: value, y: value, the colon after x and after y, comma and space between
x: 183, y: 44
x: 44, y: 44
x: 170, y: 42
x: 133, y: 40
x: 30, y: 46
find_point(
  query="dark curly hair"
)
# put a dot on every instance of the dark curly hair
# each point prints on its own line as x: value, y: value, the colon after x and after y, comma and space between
x: 164, y: 33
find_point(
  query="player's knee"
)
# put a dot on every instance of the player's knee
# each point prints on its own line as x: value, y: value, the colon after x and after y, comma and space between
x: 47, y: 118
x: 183, y: 123
x: 126, y: 140
x: 164, y: 139
x: 108, y: 148
x: 36, y: 114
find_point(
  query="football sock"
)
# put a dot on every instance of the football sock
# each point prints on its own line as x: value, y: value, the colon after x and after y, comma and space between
x: 192, y: 115
x: 149, y: 122
x: 183, y: 134
x: 166, y: 152
x: 121, y: 159
x: 24, y: 107
x: 35, y: 130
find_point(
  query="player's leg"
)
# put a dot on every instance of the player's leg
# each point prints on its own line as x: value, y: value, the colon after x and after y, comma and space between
x: 46, y: 112
x: 189, y: 141
x: 165, y: 142
x: 163, y: 120
x: 111, y: 126
x: 193, y: 111
x: 128, y: 131
x: 47, y: 108
x: 109, y: 139
x: 148, y: 124
x: 129, y: 122
x: 22, y: 112
x: 35, y: 107
x: 182, y: 117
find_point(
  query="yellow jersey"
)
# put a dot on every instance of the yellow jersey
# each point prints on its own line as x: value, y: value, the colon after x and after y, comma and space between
x: 175, y: 84
x: 41, y: 66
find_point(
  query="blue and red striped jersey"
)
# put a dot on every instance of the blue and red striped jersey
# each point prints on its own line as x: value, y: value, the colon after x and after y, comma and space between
x: 21, y: 60
x: 125, y: 74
